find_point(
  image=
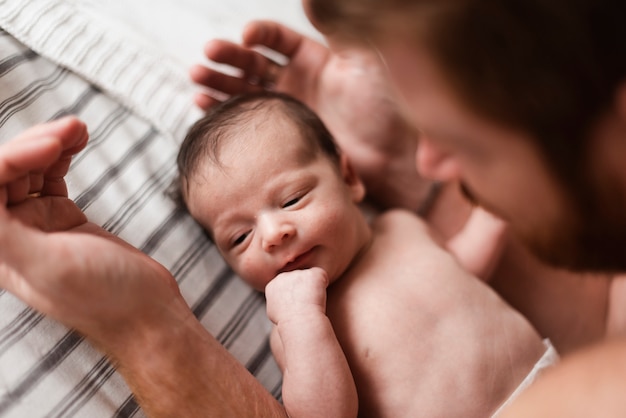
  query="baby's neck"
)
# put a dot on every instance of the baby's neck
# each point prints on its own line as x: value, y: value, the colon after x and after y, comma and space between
x: 369, y: 213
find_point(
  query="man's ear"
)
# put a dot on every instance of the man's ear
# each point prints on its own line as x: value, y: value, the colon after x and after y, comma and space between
x: 352, y: 179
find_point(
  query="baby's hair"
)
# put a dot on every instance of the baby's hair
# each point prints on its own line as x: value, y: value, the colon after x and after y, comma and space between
x: 223, y: 121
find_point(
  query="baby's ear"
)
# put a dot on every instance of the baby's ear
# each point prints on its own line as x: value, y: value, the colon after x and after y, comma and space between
x: 352, y: 179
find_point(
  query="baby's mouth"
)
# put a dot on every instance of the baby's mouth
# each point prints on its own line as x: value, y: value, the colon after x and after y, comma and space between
x: 299, y: 262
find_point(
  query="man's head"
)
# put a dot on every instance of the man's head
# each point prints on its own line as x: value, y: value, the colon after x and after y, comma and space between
x: 520, y: 100
x: 263, y: 175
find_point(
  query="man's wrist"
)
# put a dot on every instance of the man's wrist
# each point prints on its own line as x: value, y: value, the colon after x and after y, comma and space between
x: 176, y: 368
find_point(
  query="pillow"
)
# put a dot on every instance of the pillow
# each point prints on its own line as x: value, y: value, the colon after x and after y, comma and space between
x: 137, y: 108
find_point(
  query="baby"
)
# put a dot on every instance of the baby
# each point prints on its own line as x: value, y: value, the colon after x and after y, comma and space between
x: 371, y: 318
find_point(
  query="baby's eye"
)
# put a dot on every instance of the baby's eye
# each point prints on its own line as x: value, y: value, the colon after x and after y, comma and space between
x: 240, y: 239
x: 292, y: 202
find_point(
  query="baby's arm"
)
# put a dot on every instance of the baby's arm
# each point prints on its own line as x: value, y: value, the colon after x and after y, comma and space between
x: 316, y: 376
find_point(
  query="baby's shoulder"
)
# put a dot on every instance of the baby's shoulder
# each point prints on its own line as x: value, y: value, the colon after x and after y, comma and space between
x: 401, y: 227
x: 403, y: 219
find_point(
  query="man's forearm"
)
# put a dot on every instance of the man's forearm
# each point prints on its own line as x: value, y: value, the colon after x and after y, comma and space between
x: 180, y: 370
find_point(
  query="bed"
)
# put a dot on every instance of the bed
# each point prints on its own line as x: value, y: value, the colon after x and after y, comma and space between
x: 121, y: 67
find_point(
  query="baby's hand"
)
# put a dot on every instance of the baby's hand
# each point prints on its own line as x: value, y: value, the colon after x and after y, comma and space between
x: 296, y: 293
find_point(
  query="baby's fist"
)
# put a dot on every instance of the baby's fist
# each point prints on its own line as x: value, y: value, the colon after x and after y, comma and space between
x: 296, y: 293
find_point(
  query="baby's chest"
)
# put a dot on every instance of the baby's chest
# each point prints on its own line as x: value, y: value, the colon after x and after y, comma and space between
x: 375, y: 321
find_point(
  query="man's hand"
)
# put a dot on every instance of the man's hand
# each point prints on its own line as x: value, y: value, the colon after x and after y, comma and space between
x: 55, y: 260
x: 299, y: 77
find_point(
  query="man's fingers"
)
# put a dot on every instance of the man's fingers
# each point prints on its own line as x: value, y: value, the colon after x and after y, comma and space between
x: 71, y: 132
x: 220, y: 82
x: 74, y: 136
x: 37, y: 160
x: 46, y: 147
x: 49, y: 214
x: 252, y: 66
x: 272, y: 35
x: 229, y: 53
x: 54, y: 186
x: 26, y: 154
x: 18, y: 190
x: 205, y: 101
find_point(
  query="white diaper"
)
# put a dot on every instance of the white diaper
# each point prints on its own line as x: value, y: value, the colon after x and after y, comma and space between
x: 549, y: 358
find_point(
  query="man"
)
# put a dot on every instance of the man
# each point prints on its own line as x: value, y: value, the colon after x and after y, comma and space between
x: 432, y: 102
x: 490, y: 110
x: 525, y: 104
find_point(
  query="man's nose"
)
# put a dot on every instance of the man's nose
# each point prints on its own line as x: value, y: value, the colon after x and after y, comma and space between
x: 276, y: 230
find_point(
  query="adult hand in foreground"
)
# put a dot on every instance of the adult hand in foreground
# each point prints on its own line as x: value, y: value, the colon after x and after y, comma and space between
x: 53, y: 258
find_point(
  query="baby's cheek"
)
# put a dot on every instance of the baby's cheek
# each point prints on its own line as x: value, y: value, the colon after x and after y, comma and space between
x: 253, y: 272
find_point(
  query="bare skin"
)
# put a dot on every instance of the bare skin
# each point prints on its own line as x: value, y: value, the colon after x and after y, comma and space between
x: 434, y: 359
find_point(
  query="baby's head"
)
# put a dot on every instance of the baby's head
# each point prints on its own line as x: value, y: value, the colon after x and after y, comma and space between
x: 262, y: 174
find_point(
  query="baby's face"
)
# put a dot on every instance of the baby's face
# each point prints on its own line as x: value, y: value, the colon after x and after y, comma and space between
x: 270, y: 211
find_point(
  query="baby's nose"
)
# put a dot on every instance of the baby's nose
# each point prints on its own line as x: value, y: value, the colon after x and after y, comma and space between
x: 276, y: 232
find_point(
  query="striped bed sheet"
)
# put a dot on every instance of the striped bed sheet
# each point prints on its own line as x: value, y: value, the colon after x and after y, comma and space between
x: 120, y: 181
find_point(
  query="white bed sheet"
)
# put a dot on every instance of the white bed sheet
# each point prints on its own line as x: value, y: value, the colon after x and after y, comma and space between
x: 180, y: 28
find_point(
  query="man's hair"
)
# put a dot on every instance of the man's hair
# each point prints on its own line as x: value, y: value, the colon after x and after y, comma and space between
x: 549, y: 68
x: 224, y: 121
